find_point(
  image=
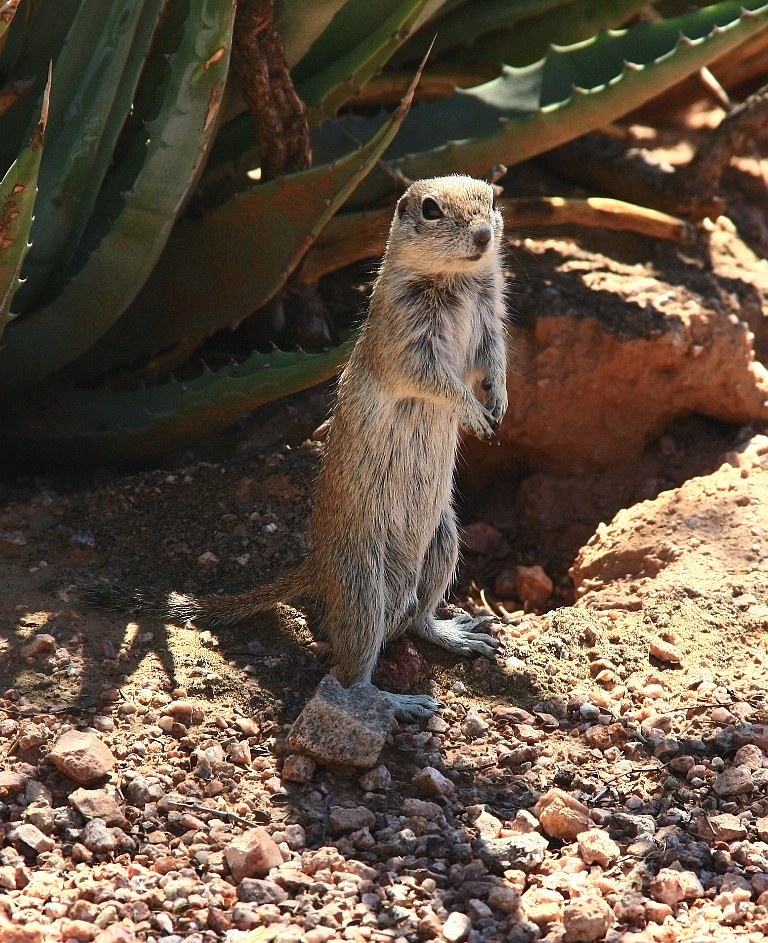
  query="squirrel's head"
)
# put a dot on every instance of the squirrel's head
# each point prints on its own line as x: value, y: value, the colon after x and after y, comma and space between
x: 447, y: 225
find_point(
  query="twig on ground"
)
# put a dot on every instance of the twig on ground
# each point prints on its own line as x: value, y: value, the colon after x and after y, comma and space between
x: 220, y: 813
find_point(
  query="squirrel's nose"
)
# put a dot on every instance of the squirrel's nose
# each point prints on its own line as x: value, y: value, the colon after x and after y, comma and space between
x: 482, y: 236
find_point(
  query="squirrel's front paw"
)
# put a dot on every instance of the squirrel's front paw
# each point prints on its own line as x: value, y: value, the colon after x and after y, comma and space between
x: 479, y: 422
x: 496, y: 402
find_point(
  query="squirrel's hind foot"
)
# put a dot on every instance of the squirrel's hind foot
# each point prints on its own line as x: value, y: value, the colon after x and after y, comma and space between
x: 458, y: 635
x: 412, y: 707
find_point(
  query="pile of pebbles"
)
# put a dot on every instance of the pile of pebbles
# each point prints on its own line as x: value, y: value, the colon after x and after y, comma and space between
x: 601, y: 818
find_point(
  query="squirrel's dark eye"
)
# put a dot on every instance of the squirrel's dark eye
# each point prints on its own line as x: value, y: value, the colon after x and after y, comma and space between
x: 430, y: 209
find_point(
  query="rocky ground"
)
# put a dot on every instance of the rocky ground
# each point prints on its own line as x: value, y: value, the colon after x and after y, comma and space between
x: 605, y: 779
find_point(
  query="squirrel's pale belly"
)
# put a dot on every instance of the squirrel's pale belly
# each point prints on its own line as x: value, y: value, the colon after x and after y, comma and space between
x: 396, y: 488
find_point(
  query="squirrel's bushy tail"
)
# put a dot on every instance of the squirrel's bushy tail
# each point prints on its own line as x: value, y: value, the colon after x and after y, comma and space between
x: 209, y: 610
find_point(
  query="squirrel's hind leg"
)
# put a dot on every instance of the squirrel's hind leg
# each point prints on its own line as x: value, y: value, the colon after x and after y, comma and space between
x: 456, y: 635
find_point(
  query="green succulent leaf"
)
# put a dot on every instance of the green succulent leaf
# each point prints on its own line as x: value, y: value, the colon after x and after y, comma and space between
x: 219, y: 269
x: 100, y: 426
x: 18, y: 190
x: 355, y: 46
x: 33, y: 40
x: 168, y: 150
x: 573, y: 90
x: 515, y: 33
x: 7, y: 11
x: 329, y: 66
x: 95, y: 78
x: 301, y: 22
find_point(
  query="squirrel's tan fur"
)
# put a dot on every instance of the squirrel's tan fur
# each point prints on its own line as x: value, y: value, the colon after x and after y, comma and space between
x: 384, y: 540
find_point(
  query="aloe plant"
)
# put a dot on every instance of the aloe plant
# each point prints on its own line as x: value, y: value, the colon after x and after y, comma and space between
x: 139, y: 120
x: 18, y: 190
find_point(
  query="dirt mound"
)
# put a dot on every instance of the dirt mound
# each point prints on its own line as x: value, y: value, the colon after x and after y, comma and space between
x: 614, y: 337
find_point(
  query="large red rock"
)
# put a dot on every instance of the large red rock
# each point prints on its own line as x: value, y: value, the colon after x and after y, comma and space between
x: 252, y: 854
x: 82, y: 756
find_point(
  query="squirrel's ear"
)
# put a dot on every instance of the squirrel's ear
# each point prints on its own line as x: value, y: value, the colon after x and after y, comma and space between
x: 402, y: 206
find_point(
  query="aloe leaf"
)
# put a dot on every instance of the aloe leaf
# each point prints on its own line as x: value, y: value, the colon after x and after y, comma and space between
x: 95, y: 78
x: 356, y: 45
x: 7, y: 11
x: 169, y: 151
x: 516, y: 33
x: 345, y: 57
x: 353, y: 49
x: 18, y: 190
x: 301, y: 22
x: 217, y: 270
x: 530, y: 39
x: 34, y: 39
x: 93, y: 426
x: 573, y: 90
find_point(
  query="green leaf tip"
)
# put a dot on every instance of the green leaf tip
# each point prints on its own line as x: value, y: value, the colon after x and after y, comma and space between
x: 574, y: 89
x: 102, y: 426
x: 18, y: 191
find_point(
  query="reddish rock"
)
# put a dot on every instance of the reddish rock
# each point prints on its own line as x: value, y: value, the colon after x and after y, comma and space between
x: 487, y: 825
x: 665, y: 651
x: 117, y: 933
x: 350, y: 820
x: 457, y: 927
x: 656, y: 912
x: 298, y: 769
x: 568, y: 369
x: 541, y: 905
x: 42, y: 644
x: 506, y: 714
x: 525, y: 733
x: 429, y: 926
x: 561, y: 815
x: 82, y: 757
x: 98, y: 804
x: 183, y: 711
x: 401, y: 667
x: 252, y: 854
x: 586, y: 920
x: 534, y: 587
x: 724, y: 827
x: 670, y: 886
x: 12, y: 783
x: 80, y: 930
x: 422, y: 808
x: 604, y: 736
x: 736, y: 781
x: 597, y: 847
x: 343, y: 726
x: 431, y: 782
x: 31, y: 836
x: 259, y: 891
x: 749, y: 755
x: 20, y: 933
x: 483, y: 539
x: 220, y: 921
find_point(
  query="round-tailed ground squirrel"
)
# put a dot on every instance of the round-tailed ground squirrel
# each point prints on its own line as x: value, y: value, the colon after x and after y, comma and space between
x: 384, y: 537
